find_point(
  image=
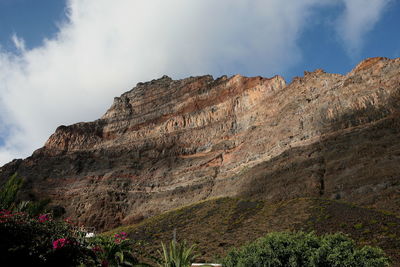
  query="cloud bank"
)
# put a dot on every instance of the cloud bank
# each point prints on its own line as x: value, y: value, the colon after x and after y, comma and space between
x: 105, y: 47
x: 358, y: 18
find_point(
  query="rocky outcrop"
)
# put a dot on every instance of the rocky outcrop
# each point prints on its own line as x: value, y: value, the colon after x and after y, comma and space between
x: 168, y: 143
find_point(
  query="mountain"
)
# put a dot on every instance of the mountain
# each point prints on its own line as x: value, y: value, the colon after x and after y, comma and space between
x: 169, y: 143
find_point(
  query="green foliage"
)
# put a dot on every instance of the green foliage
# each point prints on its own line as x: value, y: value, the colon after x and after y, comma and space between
x: 115, y: 251
x: 33, y: 208
x: 9, y: 191
x: 8, y: 198
x: 37, y: 207
x: 176, y: 255
x: 305, y: 249
x: 358, y: 226
x: 40, y: 241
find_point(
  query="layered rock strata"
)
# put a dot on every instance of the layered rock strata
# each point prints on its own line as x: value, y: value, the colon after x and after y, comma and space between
x: 167, y: 143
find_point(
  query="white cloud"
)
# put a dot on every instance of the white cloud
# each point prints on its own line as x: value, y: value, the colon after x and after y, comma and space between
x: 105, y: 47
x: 18, y: 42
x: 359, y: 17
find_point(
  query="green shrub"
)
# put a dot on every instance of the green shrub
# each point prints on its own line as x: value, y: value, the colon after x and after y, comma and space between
x: 9, y: 201
x: 177, y: 255
x: 305, y: 249
x: 116, y: 251
x: 358, y: 226
x: 9, y: 191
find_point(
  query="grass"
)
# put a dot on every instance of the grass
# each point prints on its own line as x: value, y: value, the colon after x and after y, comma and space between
x: 217, y: 225
x: 358, y: 226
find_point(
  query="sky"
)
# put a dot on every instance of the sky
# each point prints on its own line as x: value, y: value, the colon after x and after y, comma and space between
x: 63, y: 61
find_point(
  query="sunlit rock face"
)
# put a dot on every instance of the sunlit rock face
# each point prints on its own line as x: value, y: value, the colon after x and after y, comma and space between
x: 167, y: 143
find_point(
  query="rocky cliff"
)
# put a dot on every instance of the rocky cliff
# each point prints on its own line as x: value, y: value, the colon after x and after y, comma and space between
x: 168, y: 143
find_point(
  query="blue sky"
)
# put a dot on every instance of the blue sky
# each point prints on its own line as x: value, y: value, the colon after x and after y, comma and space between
x: 323, y: 49
x: 62, y: 62
x: 33, y: 20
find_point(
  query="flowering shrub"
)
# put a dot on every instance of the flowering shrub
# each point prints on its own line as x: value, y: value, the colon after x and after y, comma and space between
x: 120, y: 237
x: 60, y: 243
x: 40, y: 241
x: 29, y: 238
x: 43, y: 218
x: 4, y: 215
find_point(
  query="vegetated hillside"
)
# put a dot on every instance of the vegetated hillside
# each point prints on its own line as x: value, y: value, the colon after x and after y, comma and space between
x: 169, y: 143
x: 218, y: 225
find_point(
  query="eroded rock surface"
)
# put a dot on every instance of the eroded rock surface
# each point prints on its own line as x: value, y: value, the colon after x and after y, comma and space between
x: 169, y: 143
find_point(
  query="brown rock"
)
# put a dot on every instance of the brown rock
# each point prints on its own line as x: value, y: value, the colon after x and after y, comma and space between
x: 169, y: 143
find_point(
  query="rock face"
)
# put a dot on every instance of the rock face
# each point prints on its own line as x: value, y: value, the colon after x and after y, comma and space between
x: 169, y: 143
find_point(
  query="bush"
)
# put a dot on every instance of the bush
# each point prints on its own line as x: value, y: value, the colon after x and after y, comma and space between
x: 177, y: 255
x: 9, y: 191
x: 116, y: 251
x: 33, y: 239
x: 305, y: 249
x: 8, y: 198
x: 40, y: 241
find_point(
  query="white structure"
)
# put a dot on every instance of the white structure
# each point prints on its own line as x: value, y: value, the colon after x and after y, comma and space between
x: 89, y: 235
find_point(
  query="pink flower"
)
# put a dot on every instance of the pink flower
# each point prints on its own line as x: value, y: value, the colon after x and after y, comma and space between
x: 124, y: 235
x: 5, y: 212
x: 43, y: 218
x: 59, y: 243
x: 119, y: 237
